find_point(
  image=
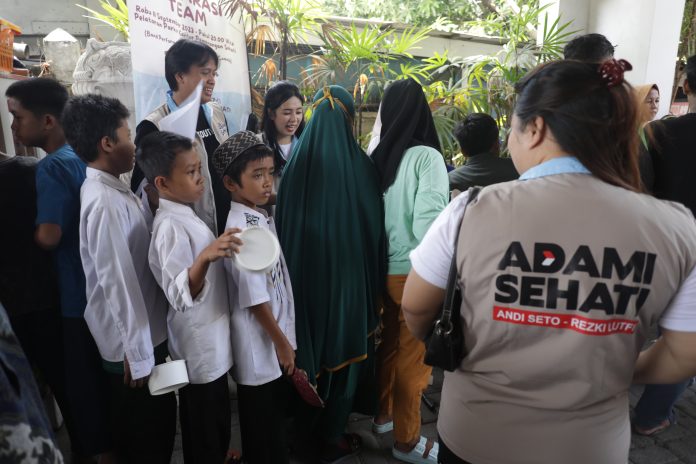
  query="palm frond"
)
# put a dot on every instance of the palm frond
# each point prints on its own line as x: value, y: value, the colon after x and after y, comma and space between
x: 258, y: 37
x: 408, y: 39
x: 116, y: 17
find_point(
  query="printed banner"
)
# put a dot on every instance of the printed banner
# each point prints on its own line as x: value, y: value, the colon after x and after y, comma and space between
x: 156, y: 24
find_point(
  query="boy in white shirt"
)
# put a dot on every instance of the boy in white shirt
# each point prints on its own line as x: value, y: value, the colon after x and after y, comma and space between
x: 126, y: 311
x: 263, y: 314
x: 185, y: 260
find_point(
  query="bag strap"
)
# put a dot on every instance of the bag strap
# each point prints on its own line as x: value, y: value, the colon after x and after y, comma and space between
x: 453, y: 278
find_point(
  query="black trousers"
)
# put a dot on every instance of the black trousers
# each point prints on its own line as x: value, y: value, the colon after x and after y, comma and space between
x: 143, y: 425
x: 445, y: 456
x: 262, y: 420
x: 87, y: 388
x: 205, y: 414
x: 41, y: 337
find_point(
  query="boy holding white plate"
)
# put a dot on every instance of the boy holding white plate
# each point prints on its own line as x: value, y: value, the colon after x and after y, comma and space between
x: 185, y: 260
x: 263, y: 313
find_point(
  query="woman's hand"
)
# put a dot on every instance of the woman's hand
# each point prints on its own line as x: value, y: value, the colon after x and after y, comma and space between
x: 671, y: 359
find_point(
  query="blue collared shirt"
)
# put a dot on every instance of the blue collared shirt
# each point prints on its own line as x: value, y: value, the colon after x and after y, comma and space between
x: 59, y: 177
x: 562, y: 165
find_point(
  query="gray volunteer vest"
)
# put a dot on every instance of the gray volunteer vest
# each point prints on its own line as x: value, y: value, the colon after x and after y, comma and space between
x: 563, y: 276
x: 205, y: 207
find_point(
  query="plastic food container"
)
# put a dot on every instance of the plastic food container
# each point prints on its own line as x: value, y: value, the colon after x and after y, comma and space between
x: 168, y: 377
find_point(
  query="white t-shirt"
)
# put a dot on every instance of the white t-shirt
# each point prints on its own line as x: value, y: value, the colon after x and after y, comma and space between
x: 285, y: 150
x: 255, y: 359
x: 433, y: 257
x: 126, y: 309
x: 199, y: 329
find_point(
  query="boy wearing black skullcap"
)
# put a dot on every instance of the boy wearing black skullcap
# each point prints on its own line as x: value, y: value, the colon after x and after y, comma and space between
x: 263, y: 313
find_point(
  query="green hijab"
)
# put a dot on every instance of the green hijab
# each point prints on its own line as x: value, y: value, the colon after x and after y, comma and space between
x: 330, y: 223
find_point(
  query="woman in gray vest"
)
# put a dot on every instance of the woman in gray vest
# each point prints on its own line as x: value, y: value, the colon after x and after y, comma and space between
x: 564, y: 273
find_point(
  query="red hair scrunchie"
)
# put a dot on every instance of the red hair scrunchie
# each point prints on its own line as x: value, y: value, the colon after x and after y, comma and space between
x: 612, y: 71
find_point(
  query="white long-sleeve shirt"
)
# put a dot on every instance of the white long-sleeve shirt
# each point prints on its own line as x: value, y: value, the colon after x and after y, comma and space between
x: 126, y: 310
x: 198, y: 328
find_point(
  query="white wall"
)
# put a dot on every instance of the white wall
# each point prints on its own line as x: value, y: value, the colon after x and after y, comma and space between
x: 645, y: 32
x: 456, y: 45
x: 577, y: 11
x: 647, y: 36
x: 5, y: 116
x: 39, y: 17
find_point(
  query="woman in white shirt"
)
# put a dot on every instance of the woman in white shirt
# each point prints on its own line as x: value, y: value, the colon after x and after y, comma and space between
x: 563, y: 273
x: 282, y: 121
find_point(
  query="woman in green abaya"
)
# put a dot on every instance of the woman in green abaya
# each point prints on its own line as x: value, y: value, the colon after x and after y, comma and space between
x: 330, y: 223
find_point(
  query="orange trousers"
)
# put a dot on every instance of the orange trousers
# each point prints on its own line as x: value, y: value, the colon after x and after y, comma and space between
x: 401, y: 374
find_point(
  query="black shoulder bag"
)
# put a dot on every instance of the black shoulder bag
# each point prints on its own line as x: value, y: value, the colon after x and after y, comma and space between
x: 445, y: 343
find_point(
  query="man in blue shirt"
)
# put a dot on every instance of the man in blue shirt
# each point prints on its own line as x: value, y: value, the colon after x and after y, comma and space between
x: 36, y: 105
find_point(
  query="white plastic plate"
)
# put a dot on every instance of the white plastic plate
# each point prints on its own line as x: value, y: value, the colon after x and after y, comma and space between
x: 260, y: 251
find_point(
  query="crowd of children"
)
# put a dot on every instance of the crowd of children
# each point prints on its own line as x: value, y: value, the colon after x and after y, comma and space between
x: 136, y: 289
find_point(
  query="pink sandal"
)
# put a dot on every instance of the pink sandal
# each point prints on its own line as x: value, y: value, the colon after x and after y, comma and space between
x: 651, y: 432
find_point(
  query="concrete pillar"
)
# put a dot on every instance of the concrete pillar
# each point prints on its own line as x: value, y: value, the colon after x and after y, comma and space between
x: 576, y: 10
x: 645, y: 32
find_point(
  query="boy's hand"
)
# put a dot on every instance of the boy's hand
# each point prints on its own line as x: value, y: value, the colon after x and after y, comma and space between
x: 224, y: 246
x: 127, y: 379
x: 286, y: 358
